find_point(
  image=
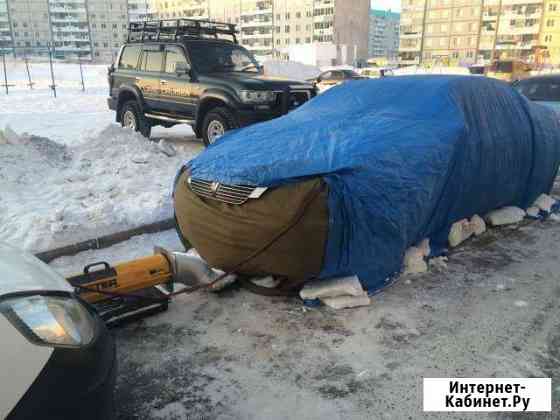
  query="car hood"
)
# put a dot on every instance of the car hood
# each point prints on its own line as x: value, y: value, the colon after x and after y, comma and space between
x: 22, y: 272
x: 256, y: 81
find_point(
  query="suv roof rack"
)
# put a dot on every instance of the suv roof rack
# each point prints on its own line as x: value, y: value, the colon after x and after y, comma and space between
x: 174, y: 29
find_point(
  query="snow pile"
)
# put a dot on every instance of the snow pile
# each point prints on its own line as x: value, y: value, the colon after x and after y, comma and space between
x: 290, y: 70
x: 54, y: 195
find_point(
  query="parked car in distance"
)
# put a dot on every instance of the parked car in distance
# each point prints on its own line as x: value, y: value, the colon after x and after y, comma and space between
x: 508, y: 70
x: 330, y: 78
x: 195, y: 72
x: 376, y: 72
x: 541, y: 89
x: 57, y: 359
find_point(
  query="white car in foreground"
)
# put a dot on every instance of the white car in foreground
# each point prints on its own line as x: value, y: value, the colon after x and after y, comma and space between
x: 57, y: 359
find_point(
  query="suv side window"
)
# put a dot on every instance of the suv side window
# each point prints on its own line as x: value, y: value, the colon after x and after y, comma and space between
x: 129, y: 57
x: 152, y: 60
x: 173, y: 55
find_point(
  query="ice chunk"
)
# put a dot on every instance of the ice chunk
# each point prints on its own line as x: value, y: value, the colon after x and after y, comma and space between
x: 332, y: 288
x: 414, y: 261
x: 505, y: 216
x: 544, y: 202
x: 342, y: 302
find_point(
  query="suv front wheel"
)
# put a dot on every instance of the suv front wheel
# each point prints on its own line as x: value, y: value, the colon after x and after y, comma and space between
x: 216, y: 123
x: 133, y: 118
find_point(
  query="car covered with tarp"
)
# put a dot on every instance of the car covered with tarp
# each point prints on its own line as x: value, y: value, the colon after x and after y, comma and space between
x: 345, y: 184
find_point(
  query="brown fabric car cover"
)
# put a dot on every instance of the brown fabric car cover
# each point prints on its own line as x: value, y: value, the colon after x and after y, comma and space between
x: 226, y: 234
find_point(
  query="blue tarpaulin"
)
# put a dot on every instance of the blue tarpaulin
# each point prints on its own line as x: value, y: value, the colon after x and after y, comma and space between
x: 404, y: 158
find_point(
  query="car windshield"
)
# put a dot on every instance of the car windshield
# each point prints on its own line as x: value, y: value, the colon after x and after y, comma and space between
x: 350, y: 73
x: 540, y: 90
x: 212, y: 57
x: 504, y: 66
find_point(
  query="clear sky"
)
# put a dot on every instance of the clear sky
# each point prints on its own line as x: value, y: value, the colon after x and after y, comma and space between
x: 394, y: 5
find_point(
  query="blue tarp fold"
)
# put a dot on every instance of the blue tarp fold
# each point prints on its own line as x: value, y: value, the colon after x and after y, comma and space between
x: 404, y: 158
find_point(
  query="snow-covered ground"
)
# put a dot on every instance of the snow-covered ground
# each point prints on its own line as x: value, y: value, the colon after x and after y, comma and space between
x: 69, y: 173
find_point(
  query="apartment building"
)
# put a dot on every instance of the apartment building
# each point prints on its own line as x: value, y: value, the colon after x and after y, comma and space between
x: 6, y: 40
x: 462, y: 32
x: 89, y: 29
x: 273, y: 28
x: 550, y: 33
x: 384, y: 34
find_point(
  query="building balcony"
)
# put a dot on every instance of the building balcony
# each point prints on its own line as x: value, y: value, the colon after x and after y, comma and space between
x: 518, y: 2
x: 409, y: 61
x: 62, y: 9
x: 415, y: 48
x: 489, y: 18
x: 410, y: 35
x: 69, y: 29
x: 525, y: 30
x: 255, y: 24
x: 257, y: 12
x: 68, y: 18
x: 255, y: 35
x: 517, y: 46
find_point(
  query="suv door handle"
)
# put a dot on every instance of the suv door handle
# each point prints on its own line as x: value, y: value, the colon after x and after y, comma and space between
x: 163, y: 82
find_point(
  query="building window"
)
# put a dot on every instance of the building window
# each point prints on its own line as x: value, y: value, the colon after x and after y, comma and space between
x: 287, y: 29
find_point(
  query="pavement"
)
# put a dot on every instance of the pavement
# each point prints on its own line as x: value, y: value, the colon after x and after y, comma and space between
x: 493, y: 312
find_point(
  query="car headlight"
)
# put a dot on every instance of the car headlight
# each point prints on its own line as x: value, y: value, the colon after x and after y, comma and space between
x: 257, y: 96
x: 50, y: 320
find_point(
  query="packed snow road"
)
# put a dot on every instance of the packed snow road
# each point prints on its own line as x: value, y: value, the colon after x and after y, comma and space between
x: 494, y: 311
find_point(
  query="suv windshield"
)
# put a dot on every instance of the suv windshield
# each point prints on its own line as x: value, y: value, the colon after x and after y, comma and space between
x: 211, y: 57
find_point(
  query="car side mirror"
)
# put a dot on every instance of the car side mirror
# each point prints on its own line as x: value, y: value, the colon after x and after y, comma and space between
x: 182, y: 69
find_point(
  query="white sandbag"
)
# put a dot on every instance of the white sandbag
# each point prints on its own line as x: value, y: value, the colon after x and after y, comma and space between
x: 505, y: 216
x: 544, y: 202
x: 414, y: 261
x: 342, y: 302
x: 478, y: 225
x: 339, y: 286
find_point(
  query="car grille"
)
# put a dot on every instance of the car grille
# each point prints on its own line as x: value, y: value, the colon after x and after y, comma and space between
x: 230, y: 194
x: 289, y: 100
x: 297, y: 98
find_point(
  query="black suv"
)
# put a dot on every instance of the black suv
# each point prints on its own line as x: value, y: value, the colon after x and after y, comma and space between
x: 186, y: 72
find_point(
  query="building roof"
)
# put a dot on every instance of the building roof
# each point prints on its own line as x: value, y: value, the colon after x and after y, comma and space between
x: 384, y: 14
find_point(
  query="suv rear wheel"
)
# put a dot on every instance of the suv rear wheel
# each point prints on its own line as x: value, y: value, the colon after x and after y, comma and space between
x: 133, y: 118
x: 216, y: 123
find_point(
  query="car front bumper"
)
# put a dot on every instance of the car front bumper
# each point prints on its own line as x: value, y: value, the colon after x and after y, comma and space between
x: 112, y: 103
x: 75, y: 384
